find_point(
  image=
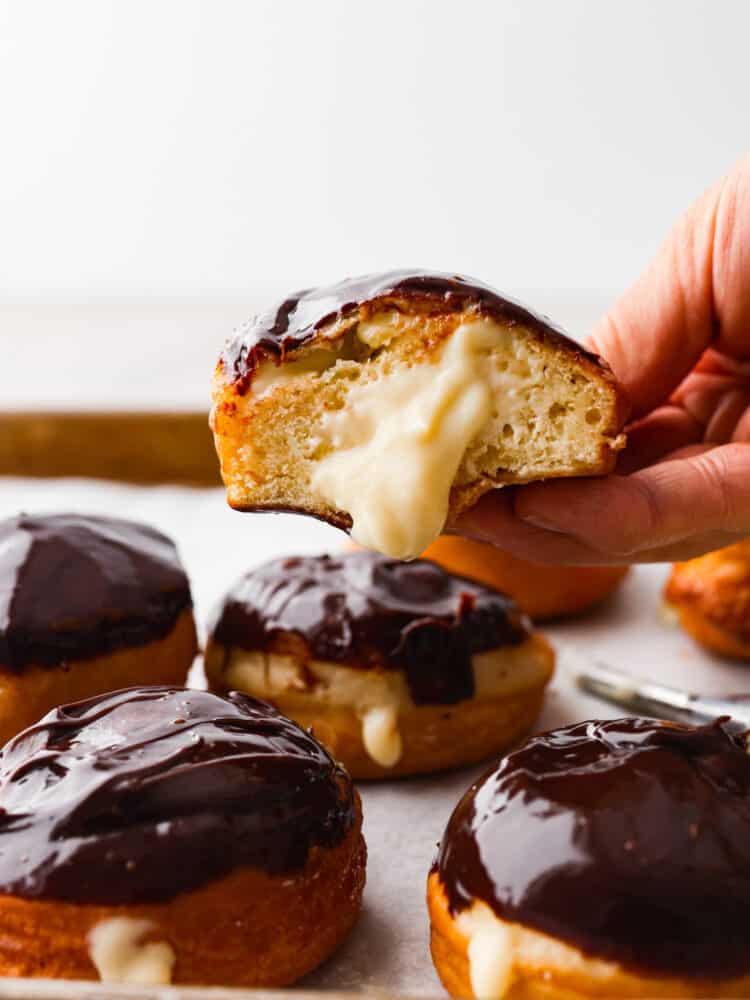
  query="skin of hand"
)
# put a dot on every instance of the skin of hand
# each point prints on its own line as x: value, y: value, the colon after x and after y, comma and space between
x: 679, y: 343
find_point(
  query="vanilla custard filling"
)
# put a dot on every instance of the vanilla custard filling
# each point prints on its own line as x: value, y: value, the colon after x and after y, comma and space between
x: 381, y: 736
x: 377, y: 697
x: 397, y: 445
x: 490, y: 951
x: 500, y: 953
x: 120, y: 956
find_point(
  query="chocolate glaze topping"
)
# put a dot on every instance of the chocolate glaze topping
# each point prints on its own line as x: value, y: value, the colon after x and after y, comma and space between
x: 629, y: 839
x: 292, y: 323
x: 142, y: 794
x: 74, y: 587
x: 367, y: 611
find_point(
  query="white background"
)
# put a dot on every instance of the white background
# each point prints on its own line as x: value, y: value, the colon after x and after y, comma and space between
x: 230, y: 149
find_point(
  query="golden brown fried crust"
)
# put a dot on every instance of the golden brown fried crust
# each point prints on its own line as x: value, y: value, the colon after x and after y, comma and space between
x: 28, y: 695
x: 541, y: 591
x: 246, y: 929
x: 235, y: 410
x: 545, y: 968
x: 712, y: 597
x: 434, y: 737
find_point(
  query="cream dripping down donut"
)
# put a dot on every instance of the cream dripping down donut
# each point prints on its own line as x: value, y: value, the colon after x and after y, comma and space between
x: 398, y: 667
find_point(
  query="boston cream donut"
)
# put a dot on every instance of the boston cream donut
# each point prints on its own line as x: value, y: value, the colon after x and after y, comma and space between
x: 385, y: 403
x: 541, y: 591
x: 87, y: 604
x: 161, y: 835
x: 608, y: 859
x: 711, y: 595
x: 400, y: 668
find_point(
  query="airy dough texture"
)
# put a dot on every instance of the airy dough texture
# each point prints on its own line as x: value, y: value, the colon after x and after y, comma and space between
x: 543, y: 592
x: 553, y: 411
x: 711, y: 595
x: 333, y: 699
x: 26, y: 696
x: 541, y: 967
x: 247, y: 929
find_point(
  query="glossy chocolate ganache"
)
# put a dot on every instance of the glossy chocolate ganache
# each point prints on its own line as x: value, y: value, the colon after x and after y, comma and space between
x: 142, y: 794
x: 629, y: 839
x: 295, y: 321
x: 75, y: 587
x: 364, y: 610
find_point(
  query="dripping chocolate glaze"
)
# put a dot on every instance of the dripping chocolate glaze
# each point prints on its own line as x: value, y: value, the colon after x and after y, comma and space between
x: 629, y: 839
x: 295, y: 321
x: 74, y: 587
x: 142, y: 794
x: 364, y: 610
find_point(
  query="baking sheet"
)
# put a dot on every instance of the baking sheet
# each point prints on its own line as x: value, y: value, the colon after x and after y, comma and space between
x: 388, y: 950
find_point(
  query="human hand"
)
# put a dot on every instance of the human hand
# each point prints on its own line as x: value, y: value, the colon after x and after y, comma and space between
x: 679, y: 343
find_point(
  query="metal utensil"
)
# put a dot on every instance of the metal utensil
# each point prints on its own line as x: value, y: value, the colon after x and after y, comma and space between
x: 658, y: 700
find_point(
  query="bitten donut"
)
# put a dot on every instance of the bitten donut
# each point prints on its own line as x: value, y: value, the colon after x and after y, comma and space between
x: 541, y: 591
x: 607, y: 859
x: 386, y: 403
x: 158, y: 835
x: 400, y: 668
x: 87, y: 605
x: 711, y: 595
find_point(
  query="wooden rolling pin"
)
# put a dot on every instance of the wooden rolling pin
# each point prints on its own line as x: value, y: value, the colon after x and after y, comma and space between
x: 134, y: 447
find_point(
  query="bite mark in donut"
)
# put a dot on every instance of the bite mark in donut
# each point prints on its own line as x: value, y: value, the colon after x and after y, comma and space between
x: 387, y: 404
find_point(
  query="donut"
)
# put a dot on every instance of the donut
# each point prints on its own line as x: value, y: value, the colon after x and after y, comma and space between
x: 711, y: 595
x: 87, y: 605
x: 399, y: 668
x: 157, y: 835
x: 388, y: 403
x: 543, y: 592
x: 606, y: 859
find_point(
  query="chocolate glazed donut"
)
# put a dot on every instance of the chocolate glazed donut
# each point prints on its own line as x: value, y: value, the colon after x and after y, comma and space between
x: 87, y: 604
x: 184, y: 810
x: 628, y: 840
x: 389, y: 403
x: 400, y: 668
x: 81, y: 586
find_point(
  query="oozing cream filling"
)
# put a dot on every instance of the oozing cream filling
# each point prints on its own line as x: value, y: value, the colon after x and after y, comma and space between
x: 377, y: 697
x: 502, y: 953
x: 119, y: 956
x: 490, y: 951
x: 396, y: 446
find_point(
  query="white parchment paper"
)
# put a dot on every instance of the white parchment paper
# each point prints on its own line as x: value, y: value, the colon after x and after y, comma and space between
x: 403, y: 820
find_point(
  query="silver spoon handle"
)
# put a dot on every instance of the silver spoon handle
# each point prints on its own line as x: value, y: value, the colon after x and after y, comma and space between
x: 658, y: 700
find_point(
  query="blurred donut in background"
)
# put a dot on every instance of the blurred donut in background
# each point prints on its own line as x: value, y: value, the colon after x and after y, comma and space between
x: 711, y: 595
x: 543, y: 592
